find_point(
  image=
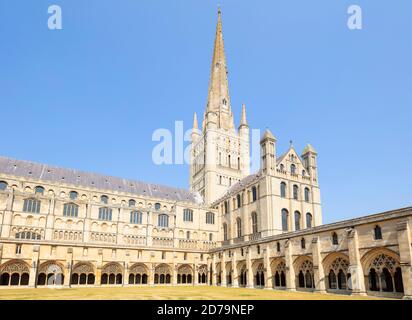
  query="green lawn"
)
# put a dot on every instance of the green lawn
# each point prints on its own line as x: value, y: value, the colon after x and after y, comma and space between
x: 164, y: 293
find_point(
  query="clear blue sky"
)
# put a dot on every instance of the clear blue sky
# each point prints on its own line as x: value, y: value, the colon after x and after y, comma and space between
x: 91, y: 95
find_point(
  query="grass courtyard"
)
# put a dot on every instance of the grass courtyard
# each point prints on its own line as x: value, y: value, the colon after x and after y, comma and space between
x: 164, y: 293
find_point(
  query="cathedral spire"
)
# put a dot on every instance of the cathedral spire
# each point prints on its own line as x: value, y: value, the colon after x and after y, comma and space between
x: 243, y: 121
x: 218, y: 96
x: 195, y: 124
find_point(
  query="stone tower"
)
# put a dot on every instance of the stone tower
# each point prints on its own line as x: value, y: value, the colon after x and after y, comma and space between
x: 220, y: 154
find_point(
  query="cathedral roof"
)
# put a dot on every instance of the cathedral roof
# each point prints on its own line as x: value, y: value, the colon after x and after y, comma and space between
x: 239, y: 186
x: 76, y: 178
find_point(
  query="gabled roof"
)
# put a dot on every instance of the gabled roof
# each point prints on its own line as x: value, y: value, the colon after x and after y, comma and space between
x: 36, y: 171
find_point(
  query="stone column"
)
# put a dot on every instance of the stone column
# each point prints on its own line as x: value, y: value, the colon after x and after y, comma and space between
x: 214, y: 276
x: 151, y: 274
x: 290, y: 271
x: 48, y: 235
x: 174, y: 276
x: 195, y: 274
x: 319, y: 273
x: 99, y: 265
x: 355, y: 267
x: 249, y: 270
x: 34, y: 266
x: 69, y: 267
x: 404, y: 243
x: 235, y: 280
x: 268, y: 269
x: 223, y: 268
x: 126, y: 272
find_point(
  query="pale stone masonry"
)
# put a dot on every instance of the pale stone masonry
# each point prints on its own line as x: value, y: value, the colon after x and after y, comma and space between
x: 64, y: 227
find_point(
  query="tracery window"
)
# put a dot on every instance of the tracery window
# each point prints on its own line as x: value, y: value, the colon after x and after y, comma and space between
x: 136, y: 217
x: 105, y: 214
x: 163, y: 220
x: 70, y: 210
x: 31, y: 205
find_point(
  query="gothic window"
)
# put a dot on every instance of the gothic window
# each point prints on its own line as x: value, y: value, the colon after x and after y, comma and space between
x: 308, y: 220
x: 70, y: 210
x: 157, y: 206
x: 104, y: 199
x: 378, y: 233
x: 28, y: 235
x: 254, y: 194
x: 385, y: 274
x: 132, y: 203
x: 305, y: 275
x: 307, y: 193
x: 136, y: 217
x: 293, y: 169
x: 239, y: 201
x: 39, y: 190
x: 295, y: 192
x: 226, y: 207
x: 188, y: 215
x: 335, y: 240
x: 297, y: 220
x: 31, y: 205
x: 278, y: 246
x: 210, y: 218
x: 303, y: 243
x: 73, y: 195
x: 163, y: 255
x: 285, y: 216
x: 258, y: 249
x: 225, y: 232
x: 239, y: 227
x: 105, y: 214
x: 163, y: 220
x: 3, y: 185
x: 254, y: 222
x: 283, y: 190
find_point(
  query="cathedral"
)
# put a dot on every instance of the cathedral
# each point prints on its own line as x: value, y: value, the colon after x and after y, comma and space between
x: 67, y: 228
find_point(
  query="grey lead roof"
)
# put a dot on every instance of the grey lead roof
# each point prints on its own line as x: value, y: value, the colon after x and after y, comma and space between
x: 37, y: 171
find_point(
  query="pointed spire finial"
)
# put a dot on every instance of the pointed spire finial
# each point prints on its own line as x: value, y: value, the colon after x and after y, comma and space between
x: 195, y: 124
x: 243, y: 121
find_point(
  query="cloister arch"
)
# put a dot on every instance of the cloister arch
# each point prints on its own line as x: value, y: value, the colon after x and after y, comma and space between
x: 202, y: 274
x: 242, y: 274
x: 218, y: 274
x: 229, y: 273
x: 50, y: 273
x: 162, y: 274
x: 382, y: 271
x: 112, y: 273
x: 258, y: 274
x: 184, y: 274
x: 138, y: 274
x: 83, y: 273
x: 14, y: 273
x: 336, y: 267
x: 304, y: 273
x: 279, y: 273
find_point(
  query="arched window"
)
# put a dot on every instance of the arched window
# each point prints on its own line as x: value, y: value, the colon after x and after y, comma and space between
x: 308, y: 220
x: 297, y: 220
x: 254, y: 222
x: 3, y: 185
x: 283, y: 190
x: 157, y: 206
x: 226, y: 207
x: 39, y: 190
x: 303, y: 243
x: 258, y: 249
x: 136, y: 217
x: 378, y: 233
x: 295, y: 192
x: 163, y: 220
x: 335, y: 240
x: 278, y: 246
x: 239, y: 201
x: 31, y: 205
x: 70, y: 210
x: 239, y: 227
x: 307, y: 193
x: 210, y: 218
x: 285, y: 216
x: 188, y: 215
x: 105, y: 214
x: 73, y: 195
x: 210, y: 236
x: 188, y: 235
x: 28, y: 235
x: 104, y: 199
x: 132, y: 203
x: 225, y: 232
x: 292, y: 169
x: 254, y: 194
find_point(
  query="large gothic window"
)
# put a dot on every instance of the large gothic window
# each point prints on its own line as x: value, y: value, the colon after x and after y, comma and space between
x: 136, y: 217
x: 297, y: 220
x: 188, y: 215
x: 254, y: 222
x: 309, y: 220
x: 378, y: 233
x: 210, y: 218
x: 70, y: 210
x: 283, y: 190
x: 105, y: 214
x: 285, y: 217
x: 385, y: 274
x: 163, y: 220
x: 31, y: 205
x: 239, y: 227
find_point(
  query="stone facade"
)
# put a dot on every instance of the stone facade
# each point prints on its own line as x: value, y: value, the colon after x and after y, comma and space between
x: 61, y: 227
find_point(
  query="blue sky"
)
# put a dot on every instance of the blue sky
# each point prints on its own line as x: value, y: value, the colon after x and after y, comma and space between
x: 90, y: 96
